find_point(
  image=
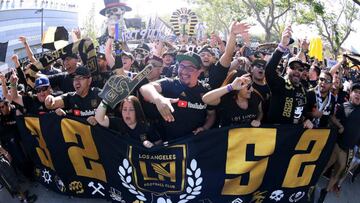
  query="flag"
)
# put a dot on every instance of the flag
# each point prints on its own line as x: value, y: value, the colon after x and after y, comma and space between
x: 3, y: 49
x: 55, y: 38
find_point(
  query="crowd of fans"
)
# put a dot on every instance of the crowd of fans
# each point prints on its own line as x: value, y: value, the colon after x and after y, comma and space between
x: 219, y: 84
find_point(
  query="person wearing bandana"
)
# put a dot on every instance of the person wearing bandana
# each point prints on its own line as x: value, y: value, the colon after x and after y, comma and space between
x: 323, y: 111
x: 288, y: 102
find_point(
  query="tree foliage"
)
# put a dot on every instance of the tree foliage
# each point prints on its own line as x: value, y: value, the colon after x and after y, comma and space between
x: 334, y: 25
x: 90, y: 29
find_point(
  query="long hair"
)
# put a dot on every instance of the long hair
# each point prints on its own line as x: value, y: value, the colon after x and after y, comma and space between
x: 232, y: 75
x: 139, y: 113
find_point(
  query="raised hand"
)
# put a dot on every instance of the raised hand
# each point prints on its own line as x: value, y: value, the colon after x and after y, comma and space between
x: 241, y: 82
x: 15, y: 58
x: 22, y: 39
x: 286, y: 35
x: 111, y: 30
x: 13, y: 78
x: 239, y: 28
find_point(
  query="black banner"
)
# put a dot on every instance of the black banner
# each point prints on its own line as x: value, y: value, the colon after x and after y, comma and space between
x: 270, y: 164
x: 3, y: 50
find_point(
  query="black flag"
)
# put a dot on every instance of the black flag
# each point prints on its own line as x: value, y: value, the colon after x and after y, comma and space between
x: 3, y: 49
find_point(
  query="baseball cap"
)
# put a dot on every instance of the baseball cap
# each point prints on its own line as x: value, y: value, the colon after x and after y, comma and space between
x: 170, y: 53
x: 207, y: 48
x: 72, y: 55
x: 128, y: 54
x: 154, y: 59
x: 190, y: 56
x: 355, y: 86
x: 42, y: 81
x: 82, y: 71
x: 295, y: 60
x: 143, y: 46
x: 259, y: 63
x: 101, y: 56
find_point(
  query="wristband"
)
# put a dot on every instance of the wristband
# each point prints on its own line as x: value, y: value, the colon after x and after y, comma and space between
x: 229, y: 88
x: 282, y: 48
x: 103, y: 104
x: 13, y: 85
x: 111, y: 37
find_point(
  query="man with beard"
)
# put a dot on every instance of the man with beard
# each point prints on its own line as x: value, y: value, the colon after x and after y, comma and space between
x: 215, y: 73
x: 349, y: 116
x: 63, y: 81
x: 288, y: 102
x: 82, y: 102
x: 260, y: 86
x: 189, y: 114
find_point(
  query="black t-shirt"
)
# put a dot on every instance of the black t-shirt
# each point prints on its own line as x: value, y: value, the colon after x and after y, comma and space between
x: 341, y: 97
x: 215, y: 76
x: 349, y: 116
x: 33, y: 106
x: 62, y: 81
x: 142, y: 131
x: 231, y: 114
x: 83, y: 107
x: 189, y: 112
x: 325, y: 104
x: 171, y: 71
x: 8, y: 127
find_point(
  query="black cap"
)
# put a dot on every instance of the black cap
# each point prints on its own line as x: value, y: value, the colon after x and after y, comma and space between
x: 82, y: 71
x: 72, y: 55
x: 355, y: 86
x: 206, y: 48
x: 259, y: 63
x: 143, y: 46
x: 170, y: 53
x: 190, y: 56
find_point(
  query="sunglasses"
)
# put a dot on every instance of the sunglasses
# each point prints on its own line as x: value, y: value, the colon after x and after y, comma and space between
x: 41, y: 89
x: 328, y: 81
x: 111, y: 11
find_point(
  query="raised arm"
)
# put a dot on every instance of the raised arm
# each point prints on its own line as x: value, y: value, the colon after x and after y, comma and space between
x: 100, y: 115
x: 28, y: 50
x: 235, y: 29
x: 52, y: 102
x: 15, y: 97
x: 108, y: 47
x: 4, y: 87
x: 214, y: 96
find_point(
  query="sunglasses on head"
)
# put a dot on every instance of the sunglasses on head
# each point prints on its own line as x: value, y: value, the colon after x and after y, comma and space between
x: 328, y: 81
x: 41, y: 89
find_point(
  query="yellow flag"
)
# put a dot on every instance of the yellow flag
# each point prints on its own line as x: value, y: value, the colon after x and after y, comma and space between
x: 316, y: 48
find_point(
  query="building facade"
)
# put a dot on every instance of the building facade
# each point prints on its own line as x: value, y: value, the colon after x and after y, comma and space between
x: 31, y: 18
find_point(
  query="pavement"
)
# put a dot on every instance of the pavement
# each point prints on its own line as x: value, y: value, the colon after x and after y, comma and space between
x: 350, y: 193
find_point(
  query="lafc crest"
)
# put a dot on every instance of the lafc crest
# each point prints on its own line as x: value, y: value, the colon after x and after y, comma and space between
x: 184, y: 21
x: 161, y: 175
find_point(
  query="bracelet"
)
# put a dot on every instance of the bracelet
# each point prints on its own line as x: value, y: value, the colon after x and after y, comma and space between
x: 111, y: 37
x: 229, y: 88
x: 282, y: 48
x: 103, y: 104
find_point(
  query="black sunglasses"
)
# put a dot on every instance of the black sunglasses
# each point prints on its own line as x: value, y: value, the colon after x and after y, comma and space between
x: 328, y: 81
x: 41, y: 89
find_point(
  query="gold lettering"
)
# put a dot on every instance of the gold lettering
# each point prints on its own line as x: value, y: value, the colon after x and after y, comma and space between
x: 78, y: 154
x: 33, y: 125
x: 144, y: 171
x: 319, y: 136
x: 264, y: 140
